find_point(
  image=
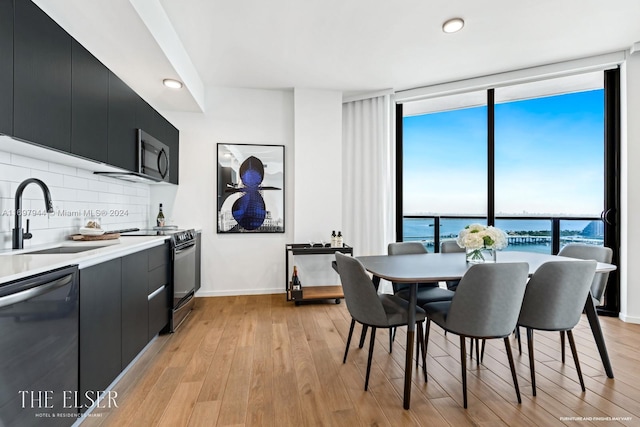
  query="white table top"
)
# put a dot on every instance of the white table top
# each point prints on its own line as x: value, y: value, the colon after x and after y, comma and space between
x: 449, y: 266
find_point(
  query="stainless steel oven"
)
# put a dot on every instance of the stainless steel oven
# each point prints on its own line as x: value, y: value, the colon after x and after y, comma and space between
x: 39, y: 349
x: 184, y: 275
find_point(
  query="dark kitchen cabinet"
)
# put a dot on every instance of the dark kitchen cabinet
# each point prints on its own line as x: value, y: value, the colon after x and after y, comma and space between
x: 122, y: 138
x: 100, y: 326
x: 135, y: 308
x: 55, y: 93
x: 159, y: 289
x: 42, y: 78
x: 89, y: 104
x: 172, y: 140
x: 6, y: 67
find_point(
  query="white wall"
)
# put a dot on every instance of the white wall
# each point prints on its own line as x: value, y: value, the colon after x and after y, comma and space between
x: 630, y: 203
x: 317, y: 170
x: 74, y: 192
x: 317, y: 164
x: 232, y: 264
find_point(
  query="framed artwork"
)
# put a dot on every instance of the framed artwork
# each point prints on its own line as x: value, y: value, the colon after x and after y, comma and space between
x: 250, y: 188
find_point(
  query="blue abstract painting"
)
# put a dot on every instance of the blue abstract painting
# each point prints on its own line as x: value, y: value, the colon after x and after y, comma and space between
x: 250, y: 188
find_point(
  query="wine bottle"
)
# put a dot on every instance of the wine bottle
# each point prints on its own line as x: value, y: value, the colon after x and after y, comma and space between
x: 339, y: 240
x: 295, y: 280
x: 333, y: 239
x: 160, y: 217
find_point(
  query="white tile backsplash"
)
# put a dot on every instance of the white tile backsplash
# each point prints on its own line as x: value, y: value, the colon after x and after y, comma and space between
x: 76, y: 194
x: 5, y: 157
x: 28, y: 162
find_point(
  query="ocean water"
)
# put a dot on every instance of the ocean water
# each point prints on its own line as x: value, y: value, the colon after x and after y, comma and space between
x: 423, y: 229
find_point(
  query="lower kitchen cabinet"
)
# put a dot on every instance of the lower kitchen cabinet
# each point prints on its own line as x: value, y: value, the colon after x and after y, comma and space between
x: 124, y: 303
x: 158, y: 311
x: 158, y: 289
x: 100, y: 326
x: 135, y: 308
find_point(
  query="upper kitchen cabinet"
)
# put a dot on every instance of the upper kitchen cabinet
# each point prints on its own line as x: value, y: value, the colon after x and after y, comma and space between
x: 122, y: 145
x: 42, y: 78
x: 6, y: 67
x: 150, y: 121
x: 89, y: 104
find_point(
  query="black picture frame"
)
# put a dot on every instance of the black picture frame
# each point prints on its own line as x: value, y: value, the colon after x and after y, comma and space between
x: 250, y: 188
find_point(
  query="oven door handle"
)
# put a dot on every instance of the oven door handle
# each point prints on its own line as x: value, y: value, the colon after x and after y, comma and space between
x: 34, y: 292
x: 183, y: 249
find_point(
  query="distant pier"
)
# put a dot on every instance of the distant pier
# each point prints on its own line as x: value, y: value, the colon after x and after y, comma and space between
x: 517, y: 240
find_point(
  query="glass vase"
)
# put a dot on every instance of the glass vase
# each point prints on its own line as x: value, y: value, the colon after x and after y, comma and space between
x: 481, y: 255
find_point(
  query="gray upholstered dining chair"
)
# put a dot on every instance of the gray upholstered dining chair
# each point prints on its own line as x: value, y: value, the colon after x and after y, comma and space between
x: 427, y: 292
x: 553, y: 301
x: 451, y: 246
x: 448, y: 246
x: 369, y: 308
x: 486, y: 305
x: 599, y: 284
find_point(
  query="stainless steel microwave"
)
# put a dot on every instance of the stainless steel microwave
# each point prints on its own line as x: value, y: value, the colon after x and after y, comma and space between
x: 153, y: 157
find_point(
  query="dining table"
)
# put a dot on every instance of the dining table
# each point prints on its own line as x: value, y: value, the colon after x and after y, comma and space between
x: 435, y: 267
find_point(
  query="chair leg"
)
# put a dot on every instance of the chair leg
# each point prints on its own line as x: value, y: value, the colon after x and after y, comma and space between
x: 463, y: 362
x: 363, y: 335
x: 471, y: 348
x: 391, y: 340
x: 419, y: 342
x: 513, y: 368
x: 518, y: 337
x: 371, y: 344
x: 482, y: 351
x: 532, y: 367
x: 426, y: 344
x: 572, y: 343
x: 346, y: 350
x: 562, y: 345
x: 423, y: 349
x: 477, y: 352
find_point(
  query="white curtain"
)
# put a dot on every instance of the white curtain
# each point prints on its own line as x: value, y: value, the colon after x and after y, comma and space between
x: 368, y: 204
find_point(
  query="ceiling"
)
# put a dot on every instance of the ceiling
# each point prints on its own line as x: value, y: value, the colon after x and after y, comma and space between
x: 350, y: 46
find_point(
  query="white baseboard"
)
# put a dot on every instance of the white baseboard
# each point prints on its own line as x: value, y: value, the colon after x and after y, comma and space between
x: 629, y: 319
x: 235, y: 292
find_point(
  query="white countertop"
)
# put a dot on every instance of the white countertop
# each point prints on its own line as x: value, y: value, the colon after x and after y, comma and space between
x: 17, y: 264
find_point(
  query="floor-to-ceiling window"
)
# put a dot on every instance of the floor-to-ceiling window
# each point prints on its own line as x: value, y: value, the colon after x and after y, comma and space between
x: 541, y: 144
x: 444, y: 166
x: 530, y: 158
x: 549, y: 162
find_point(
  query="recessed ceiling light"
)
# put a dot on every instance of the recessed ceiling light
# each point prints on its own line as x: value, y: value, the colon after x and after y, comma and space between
x: 453, y: 25
x: 173, y: 84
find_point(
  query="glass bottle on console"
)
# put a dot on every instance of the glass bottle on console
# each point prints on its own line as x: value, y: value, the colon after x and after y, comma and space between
x: 295, y: 280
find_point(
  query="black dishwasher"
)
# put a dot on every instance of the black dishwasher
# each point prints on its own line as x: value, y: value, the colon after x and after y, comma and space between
x: 39, y: 349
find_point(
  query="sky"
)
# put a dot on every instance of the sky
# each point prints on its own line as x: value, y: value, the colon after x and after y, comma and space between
x: 549, y: 158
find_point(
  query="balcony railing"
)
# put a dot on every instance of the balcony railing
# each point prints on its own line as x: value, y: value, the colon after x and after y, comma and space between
x: 545, y: 234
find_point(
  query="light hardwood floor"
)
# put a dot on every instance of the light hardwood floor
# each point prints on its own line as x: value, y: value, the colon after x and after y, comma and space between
x: 260, y: 361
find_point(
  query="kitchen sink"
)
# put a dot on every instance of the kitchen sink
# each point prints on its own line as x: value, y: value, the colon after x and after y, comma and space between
x: 63, y: 250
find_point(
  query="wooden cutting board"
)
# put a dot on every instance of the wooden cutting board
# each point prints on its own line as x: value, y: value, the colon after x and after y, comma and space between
x: 105, y: 236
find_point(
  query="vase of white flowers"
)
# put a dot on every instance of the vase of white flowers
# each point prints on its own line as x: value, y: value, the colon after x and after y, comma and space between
x: 481, y: 242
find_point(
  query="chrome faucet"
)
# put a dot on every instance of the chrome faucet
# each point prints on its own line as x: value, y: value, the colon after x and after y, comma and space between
x: 18, y: 234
